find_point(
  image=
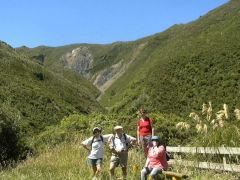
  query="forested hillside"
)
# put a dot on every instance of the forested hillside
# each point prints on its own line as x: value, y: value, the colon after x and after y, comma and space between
x: 32, y: 98
x: 183, y: 67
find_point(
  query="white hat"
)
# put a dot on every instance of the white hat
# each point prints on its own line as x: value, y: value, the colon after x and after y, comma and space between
x: 117, y: 127
x: 96, y: 128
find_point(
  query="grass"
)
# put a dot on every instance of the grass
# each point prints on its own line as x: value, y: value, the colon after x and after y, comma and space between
x: 69, y: 161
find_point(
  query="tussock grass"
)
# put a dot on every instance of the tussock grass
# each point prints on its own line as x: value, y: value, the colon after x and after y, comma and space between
x: 69, y: 161
x: 237, y: 113
x: 183, y: 125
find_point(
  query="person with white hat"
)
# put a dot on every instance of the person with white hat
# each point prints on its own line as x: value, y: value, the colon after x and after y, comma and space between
x: 94, y: 145
x: 119, y: 145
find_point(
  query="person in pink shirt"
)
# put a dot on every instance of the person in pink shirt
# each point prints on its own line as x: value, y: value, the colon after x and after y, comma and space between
x: 156, y: 160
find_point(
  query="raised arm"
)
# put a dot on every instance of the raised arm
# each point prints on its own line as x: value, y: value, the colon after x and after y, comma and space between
x: 152, y: 129
x: 160, y: 150
x: 108, y: 138
x: 131, y: 139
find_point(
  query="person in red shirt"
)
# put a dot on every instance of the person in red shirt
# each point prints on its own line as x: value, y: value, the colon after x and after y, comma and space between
x: 145, y: 131
x: 156, y: 160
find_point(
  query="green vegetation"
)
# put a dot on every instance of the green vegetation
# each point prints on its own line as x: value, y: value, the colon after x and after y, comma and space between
x: 69, y: 161
x: 184, y: 67
x: 43, y: 104
x: 177, y: 70
x: 32, y: 97
x: 165, y: 126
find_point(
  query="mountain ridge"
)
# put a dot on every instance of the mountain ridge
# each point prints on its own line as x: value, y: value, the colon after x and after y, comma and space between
x: 206, y: 38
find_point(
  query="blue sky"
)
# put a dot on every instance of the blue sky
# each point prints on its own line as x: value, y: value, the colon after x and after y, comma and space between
x: 60, y: 22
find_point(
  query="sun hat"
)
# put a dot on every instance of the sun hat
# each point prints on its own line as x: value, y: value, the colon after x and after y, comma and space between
x: 97, y: 128
x: 155, y: 138
x: 117, y: 127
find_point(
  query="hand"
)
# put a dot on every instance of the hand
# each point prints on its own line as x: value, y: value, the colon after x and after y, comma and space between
x: 132, y: 143
x: 139, y: 143
x: 110, y: 138
x: 117, y: 151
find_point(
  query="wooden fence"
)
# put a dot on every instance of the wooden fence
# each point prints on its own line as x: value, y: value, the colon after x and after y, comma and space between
x: 225, y: 151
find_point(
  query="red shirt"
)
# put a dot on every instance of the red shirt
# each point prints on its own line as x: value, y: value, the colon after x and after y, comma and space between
x: 157, y: 157
x: 145, y: 127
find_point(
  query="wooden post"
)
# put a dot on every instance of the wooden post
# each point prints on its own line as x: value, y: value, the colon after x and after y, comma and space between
x: 224, y: 158
x: 180, y: 157
x: 224, y: 162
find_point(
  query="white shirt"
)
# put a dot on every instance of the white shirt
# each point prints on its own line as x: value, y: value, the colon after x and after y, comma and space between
x: 120, y: 144
x: 97, y: 146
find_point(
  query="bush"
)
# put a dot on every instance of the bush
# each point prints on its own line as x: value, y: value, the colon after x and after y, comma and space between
x: 68, y: 128
x: 12, y: 147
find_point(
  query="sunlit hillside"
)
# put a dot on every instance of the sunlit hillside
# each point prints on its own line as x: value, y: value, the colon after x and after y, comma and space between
x: 33, y: 97
x: 184, y: 66
x: 172, y: 71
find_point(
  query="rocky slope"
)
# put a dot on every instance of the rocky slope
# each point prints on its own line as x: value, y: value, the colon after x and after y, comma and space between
x: 79, y: 60
x: 101, y: 64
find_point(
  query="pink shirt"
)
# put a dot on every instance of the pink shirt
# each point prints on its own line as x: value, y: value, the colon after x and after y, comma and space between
x: 157, y: 157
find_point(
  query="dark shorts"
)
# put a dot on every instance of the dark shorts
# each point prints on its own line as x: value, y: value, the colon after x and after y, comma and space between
x: 94, y: 162
x: 146, y: 141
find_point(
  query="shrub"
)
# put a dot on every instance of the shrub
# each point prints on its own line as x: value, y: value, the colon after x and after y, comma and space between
x: 12, y: 147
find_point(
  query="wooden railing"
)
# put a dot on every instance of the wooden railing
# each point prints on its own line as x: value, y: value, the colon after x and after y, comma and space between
x: 224, y: 151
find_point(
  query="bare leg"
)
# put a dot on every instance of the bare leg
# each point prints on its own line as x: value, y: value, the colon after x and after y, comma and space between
x: 98, y: 169
x: 111, y: 169
x: 146, y: 151
x: 124, y: 171
x: 94, y: 169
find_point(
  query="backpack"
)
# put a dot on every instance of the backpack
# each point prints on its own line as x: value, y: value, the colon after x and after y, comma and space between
x: 101, y: 137
x: 169, y: 156
x: 125, y: 138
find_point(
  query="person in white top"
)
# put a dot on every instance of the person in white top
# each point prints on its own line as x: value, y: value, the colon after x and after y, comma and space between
x: 94, y: 145
x: 119, y: 144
